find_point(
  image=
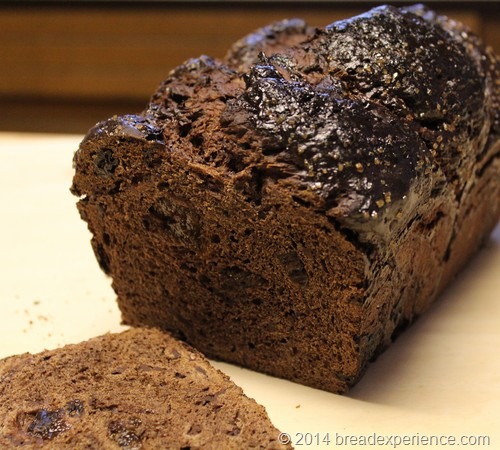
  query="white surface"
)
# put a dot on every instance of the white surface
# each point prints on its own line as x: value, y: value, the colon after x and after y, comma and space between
x: 440, y: 378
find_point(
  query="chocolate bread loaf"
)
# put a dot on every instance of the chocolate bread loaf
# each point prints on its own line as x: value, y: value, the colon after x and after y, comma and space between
x: 140, y: 389
x: 295, y: 206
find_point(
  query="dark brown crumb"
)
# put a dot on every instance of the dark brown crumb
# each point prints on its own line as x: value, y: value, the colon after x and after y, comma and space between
x: 121, y: 391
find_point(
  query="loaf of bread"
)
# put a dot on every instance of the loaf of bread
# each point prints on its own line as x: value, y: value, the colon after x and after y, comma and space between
x: 293, y: 207
x: 140, y: 389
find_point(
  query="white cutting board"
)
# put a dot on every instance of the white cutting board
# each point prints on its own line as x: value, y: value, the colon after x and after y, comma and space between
x: 440, y: 381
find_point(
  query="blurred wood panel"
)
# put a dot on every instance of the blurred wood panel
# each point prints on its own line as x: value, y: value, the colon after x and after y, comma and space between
x: 77, y: 64
x: 111, y: 53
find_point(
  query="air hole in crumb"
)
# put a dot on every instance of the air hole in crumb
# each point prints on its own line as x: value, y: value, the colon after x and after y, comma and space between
x: 189, y: 268
x: 195, y: 429
x: 184, y: 129
x: 197, y: 140
x: 177, y: 97
x: 436, y: 191
x: 102, y: 259
x: 271, y: 150
x: 235, y: 165
x: 300, y: 201
x: 234, y: 432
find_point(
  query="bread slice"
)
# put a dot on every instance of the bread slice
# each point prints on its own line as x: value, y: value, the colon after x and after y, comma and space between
x: 139, y: 389
x: 292, y: 212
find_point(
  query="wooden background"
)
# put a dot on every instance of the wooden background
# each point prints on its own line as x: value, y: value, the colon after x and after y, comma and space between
x: 64, y: 66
